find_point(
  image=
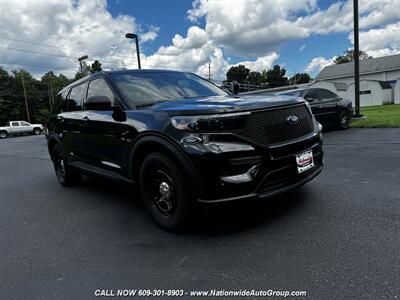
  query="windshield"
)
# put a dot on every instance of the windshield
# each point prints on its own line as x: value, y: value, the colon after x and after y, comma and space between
x: 146, y: 88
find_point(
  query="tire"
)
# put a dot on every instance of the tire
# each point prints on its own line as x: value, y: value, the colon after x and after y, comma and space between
x: 344, y: 119
x: 3, y: 134
x: 66, y: 175
x: 36, y: 131
x: 165, y: 193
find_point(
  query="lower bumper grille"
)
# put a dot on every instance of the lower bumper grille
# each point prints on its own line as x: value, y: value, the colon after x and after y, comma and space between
x: 288, y: 175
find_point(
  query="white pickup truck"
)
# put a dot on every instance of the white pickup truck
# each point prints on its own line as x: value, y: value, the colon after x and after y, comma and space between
x: 20, y: 127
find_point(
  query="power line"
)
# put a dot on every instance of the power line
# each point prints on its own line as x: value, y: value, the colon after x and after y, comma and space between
x: 63, y: 48
x: 77, y: 51
x: 37, y: 66
x: 101, y: 60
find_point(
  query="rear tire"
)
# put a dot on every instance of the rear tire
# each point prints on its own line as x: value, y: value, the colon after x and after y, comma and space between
x: 165, y: 193
x: 344, y: 119
x: 66, y: 175
x: 3, y: 134
x: 36, y: 131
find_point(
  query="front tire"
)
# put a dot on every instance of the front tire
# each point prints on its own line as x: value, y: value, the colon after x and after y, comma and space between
x: 3, y: 134
x: 66, y: 175
x: 165, y: 193
x: 344, y: 119
x: 36, y: 131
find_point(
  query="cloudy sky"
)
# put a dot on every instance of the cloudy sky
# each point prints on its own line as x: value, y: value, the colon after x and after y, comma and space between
x: 301, y: 35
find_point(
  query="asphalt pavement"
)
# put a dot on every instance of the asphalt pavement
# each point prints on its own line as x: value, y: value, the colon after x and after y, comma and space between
x: 337, y: 237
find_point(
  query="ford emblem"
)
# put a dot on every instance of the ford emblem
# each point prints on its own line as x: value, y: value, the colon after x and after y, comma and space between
x: 292, y: 120
x: 192, y: 140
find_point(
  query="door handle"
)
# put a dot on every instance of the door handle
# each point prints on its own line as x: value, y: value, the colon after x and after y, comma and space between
x: 85, y: 118
x: 60, y: 119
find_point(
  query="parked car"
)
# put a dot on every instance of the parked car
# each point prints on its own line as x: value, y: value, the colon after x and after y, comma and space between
x: 20, y: 127
x: 328, y: 108
x: 182, y: 140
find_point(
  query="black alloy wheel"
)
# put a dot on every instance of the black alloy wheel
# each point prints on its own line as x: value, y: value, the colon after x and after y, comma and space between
x: 165, y: 193
x: 344, y: 119
x: 66, y: 175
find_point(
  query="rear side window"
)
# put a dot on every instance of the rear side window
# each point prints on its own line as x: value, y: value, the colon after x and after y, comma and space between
x: 74, y: 99
x: 312, y: 94
x: 326, y: 94
x: 25, y: 124
x: 15, y: 124
x: 99, y: 87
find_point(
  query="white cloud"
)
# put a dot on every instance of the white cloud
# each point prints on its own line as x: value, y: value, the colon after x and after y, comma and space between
x: 191, y: 53
x: 252, y: 29
x: 256, y: 27
x: 66, y: 28
x: 380, y: 41
x: 318, y: 63
x: 261, y: 63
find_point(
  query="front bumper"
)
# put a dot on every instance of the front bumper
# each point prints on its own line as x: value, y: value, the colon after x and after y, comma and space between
x: 284, y: 187
x: 277, y: 171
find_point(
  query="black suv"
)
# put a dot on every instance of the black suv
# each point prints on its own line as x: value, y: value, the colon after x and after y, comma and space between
x: 182, y: 140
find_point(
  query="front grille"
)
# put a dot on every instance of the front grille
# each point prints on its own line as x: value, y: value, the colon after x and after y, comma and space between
x: 268, y: 127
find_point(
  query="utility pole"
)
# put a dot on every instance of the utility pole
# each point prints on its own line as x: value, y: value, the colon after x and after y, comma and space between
x: 52, y: 93
x: 26, y: 99
x: 48, y: 89
x: 356, y: 62
x: 209, y: 71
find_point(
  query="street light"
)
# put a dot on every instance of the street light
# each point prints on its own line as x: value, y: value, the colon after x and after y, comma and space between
x: 80, y: 59
x: 134, y: 36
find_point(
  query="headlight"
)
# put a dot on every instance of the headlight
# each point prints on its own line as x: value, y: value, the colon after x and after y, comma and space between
x: 206, y: 123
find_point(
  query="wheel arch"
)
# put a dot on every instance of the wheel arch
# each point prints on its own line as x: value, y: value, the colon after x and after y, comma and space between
x: 52, y: 141
x: 153, y: 142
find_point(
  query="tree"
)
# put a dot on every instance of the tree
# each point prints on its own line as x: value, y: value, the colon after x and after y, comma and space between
x: 96, y: 67
x: 9, y: 106
x: 348, y: 56
x: 238, y: 73
x: 85, y: 71
x: 276, y: 76
x: 254, y: 77
x: 300, y: 78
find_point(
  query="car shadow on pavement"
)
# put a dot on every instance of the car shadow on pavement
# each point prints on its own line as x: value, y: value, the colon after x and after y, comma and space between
x: 234, y: 217
x: 216, y: 219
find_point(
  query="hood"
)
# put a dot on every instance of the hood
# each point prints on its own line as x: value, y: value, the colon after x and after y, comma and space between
x: 222, y: 104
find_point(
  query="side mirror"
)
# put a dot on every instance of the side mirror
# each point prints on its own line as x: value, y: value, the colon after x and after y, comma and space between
x: 98, y: 103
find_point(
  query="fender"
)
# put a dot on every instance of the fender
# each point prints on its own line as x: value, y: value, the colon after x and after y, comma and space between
x: 167, y: 145
x: 53, y: 139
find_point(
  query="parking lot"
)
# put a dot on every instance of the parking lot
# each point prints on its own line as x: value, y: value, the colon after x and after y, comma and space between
x: 337, y: 237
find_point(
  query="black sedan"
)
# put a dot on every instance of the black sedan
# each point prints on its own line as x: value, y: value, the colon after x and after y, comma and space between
x: 327, y: 107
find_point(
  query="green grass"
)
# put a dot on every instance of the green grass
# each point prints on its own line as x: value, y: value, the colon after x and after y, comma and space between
x: 383, y: 116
